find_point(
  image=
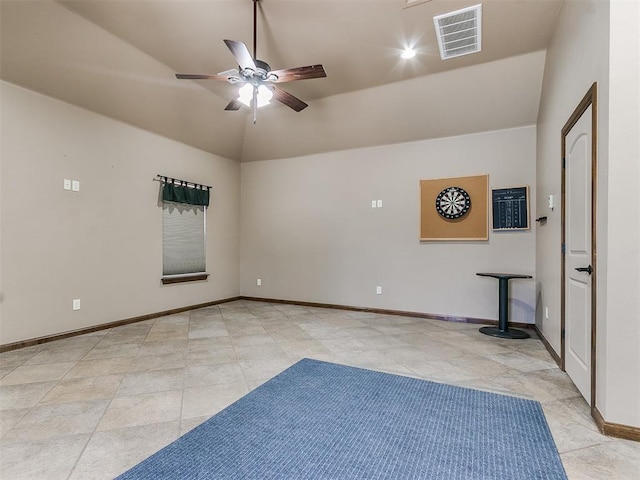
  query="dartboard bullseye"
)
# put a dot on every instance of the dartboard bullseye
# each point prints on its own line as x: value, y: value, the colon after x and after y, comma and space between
x: 453, y: 202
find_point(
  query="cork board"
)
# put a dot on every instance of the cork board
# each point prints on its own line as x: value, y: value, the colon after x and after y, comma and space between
x: 474, y: 225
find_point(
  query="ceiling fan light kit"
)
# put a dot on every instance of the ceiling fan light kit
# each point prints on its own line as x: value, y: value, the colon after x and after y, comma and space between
x: 257, y: 77
x: 262, y: 93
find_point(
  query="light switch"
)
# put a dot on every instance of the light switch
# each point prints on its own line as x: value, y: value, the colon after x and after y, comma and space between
x: 379, y: 202
x: 75, y: 186
x: 550, y: 200
x: 374, y: 204
x: 67, y: 184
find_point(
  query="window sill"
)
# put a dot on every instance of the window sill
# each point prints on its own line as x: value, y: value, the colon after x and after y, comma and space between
x: 185, y: 277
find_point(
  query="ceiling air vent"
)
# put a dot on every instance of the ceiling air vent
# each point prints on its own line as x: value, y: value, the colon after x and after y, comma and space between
x: 459, y: 33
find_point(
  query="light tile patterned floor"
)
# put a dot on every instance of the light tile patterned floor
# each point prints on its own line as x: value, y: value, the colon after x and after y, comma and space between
x: 92, y: 406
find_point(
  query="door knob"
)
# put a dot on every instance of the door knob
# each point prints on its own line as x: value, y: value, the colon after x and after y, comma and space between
x: 585, y: 269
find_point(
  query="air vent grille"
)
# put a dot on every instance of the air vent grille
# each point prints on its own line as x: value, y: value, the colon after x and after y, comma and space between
x: 460, y: 32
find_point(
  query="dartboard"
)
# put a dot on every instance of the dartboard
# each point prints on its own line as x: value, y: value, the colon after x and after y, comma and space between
x: 453, y: 202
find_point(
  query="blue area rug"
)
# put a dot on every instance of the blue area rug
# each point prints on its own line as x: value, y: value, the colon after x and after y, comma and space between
x: 319, y: 420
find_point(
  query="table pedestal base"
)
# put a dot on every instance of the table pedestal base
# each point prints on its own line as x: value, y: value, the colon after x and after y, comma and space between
x: 510, y: 333
x: 502, y: 330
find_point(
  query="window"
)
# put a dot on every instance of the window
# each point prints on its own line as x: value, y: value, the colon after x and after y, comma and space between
x: 184, y: 208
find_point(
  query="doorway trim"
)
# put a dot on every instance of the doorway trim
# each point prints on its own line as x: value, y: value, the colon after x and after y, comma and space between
x: 590, y: 99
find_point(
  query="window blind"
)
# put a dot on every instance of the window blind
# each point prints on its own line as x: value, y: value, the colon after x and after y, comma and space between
x: 183, y: 238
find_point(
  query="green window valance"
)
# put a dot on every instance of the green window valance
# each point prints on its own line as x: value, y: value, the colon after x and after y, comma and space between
x: 182, y: 192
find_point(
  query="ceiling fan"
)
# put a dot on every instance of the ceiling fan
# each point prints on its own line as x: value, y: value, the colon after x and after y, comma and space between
x: 257, y: 77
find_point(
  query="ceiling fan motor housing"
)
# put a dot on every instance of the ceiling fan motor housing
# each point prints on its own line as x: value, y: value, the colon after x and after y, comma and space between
x: 261, y: 72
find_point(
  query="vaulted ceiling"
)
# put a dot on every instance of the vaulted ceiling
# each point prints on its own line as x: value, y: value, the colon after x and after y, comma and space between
x: 118, y: 58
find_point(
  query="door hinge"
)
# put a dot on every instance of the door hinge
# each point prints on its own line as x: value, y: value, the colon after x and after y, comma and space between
x: 563, y: 249
x: 564, y: 162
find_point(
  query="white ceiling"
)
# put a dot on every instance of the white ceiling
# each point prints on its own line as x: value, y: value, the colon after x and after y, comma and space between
x: 118, y: 58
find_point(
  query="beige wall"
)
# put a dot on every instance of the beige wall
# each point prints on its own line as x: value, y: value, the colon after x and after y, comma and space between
x: 309, y: 232
x: 577, y: 57
x: 619, y: 348
x: 103, y: 244
x: 597, y: 41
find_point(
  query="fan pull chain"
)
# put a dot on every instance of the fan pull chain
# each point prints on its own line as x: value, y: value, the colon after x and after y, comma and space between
x: 255, y: 104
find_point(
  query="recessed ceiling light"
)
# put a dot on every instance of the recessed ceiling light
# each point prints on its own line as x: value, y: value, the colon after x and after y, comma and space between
x: 408, y: 53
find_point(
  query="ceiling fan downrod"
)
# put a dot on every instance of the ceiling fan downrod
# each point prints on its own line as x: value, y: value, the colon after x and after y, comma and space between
x: 255, y: 28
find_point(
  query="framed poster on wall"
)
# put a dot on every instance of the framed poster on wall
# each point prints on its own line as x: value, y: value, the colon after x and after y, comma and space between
x: 510, y: 208
x: 454, y: 208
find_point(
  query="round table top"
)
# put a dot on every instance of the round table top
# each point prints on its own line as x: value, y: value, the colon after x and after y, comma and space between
x: 504, y: 275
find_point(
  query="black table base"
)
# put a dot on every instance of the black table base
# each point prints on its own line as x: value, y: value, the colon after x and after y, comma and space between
x: 503, y: 330
x: 509, y: 333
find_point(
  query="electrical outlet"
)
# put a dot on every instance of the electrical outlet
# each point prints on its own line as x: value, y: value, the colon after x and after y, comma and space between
x: 546, y: 313
x: 374, y: 204
x: 379, y: 202
x: 76, y: 304
x: 75, y: 185
x: 259, y: 282
x: 66, y: 184
x: 378, y: 290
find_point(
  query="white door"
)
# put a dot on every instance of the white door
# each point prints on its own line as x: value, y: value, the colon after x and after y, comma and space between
x: 578, y: 277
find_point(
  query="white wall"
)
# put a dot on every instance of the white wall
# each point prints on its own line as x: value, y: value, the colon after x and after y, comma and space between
x: 309, y: 232
x: 103, y: 244
x: 597, y: 41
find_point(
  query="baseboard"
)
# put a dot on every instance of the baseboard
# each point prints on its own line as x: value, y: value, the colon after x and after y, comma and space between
x: 382, y: 311
x: 82, y: 331
x: 606, y: 428
x: 548, y: 346
x: 615, y: 429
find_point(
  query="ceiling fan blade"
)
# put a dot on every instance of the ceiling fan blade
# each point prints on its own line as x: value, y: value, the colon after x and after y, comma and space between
x: 234, y: 104
x: 198, y: 76
x: 241, y: 53
x: 288, y: 99
x: 299, y: 73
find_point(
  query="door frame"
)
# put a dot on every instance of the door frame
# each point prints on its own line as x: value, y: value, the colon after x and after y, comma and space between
x: 590, y: 99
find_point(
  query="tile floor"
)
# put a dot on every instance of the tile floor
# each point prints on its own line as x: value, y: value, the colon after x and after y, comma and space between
x: 90, y: 407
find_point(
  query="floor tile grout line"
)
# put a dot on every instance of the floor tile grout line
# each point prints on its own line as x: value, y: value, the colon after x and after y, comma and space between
x: 551, y: 376
x: 91, y: 436
x: 235, y: 354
